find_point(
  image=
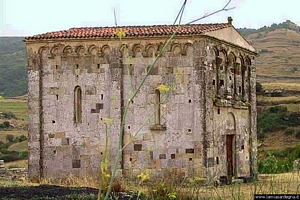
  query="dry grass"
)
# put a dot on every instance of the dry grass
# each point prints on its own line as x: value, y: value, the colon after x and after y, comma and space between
x: 72, y: 181
x: 282, y: 55
x: 278, y: 141
x: 278, y: 100
x: 15, y: 133
x: 18, y: 163
x: 16, y: 106
x: 286, y: 183
x: 292, y: 107
x: 281, y: 86
x: 19, y: 146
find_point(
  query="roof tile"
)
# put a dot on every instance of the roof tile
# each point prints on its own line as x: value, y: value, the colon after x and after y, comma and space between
x: 131, y: 31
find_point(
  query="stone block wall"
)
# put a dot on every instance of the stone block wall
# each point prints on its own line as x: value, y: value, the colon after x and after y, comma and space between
x: 183, y: 132
x: 18, y: 174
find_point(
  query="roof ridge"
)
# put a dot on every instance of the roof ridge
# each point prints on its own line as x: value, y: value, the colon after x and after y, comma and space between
x: 131, y: 31
x: 155, y: 25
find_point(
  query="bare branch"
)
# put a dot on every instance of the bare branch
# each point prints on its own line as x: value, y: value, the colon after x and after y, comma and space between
x: 115, y: 17
x: 227, y: 4
x: 180, y: 12
x: 213, y: 13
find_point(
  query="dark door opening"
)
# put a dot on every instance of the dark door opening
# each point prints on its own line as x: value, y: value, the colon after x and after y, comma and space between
x: 229, y: 155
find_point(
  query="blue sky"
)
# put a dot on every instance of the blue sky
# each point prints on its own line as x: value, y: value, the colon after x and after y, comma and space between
x: 29, y: 17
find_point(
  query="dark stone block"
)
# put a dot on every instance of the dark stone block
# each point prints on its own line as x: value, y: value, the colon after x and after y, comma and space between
x: 137, y: 147
x: 99, y: 106
x: 189, y: 150
x: 76, y: 163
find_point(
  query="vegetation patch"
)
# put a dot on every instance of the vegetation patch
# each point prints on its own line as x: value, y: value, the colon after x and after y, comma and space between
x: 276, y: 118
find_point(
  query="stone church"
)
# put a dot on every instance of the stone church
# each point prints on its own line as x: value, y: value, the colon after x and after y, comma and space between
x: 195, y: 114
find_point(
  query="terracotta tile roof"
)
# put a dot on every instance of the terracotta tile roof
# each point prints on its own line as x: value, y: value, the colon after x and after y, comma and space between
x: 131, y: 31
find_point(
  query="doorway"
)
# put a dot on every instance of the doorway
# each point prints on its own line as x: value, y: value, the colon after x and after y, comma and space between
x: 230, y: 149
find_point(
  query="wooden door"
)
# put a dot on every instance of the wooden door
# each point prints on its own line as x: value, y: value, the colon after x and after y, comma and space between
x: 229, y: 154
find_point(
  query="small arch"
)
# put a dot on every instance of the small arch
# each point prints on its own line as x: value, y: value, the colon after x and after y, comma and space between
x: 93, y: 49
x: 105, y: 49
x: 77, y: 105
x: 223, y: 56
x: 137, y: 48
x: 176, y: 48
x: 55, y: 49
x: 231, y: 58
x: 67, y: 49
x: 187, y: 45
x: 188, y: 49
x: 230, y: 122
x: 43, y: 49
x: 123, y: 47
x: 80, y: 49
x: 150, y: 49
x: 216, y: 52
x: 248, y: 61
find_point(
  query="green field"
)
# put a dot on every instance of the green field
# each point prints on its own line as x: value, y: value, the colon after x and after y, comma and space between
x: 18, y: 107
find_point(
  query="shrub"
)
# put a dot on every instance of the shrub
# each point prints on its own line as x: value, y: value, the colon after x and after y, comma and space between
x: 278, y: 109
x: 270, y: 165
x: 259, y: 88
x: 289, y: 131
x: 298, y: 134
x: 8, y: 156
x: 10, y: 138
x: 9, y: 115
x: 23, y: 154
x: 20, y: 138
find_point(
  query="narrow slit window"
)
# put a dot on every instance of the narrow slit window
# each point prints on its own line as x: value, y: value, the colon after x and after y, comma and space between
x: 157, y: 107
x: 77, y: 105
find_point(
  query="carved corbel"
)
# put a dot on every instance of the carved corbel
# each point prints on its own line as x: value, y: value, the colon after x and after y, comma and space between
x: 86, y: 54
x: 145, y: 54
x: 74, y: 54
x: 100, y: 54
x: 50, y: 55
x: 131, y: 54
x: 63, y: 55
x: 183, y: 52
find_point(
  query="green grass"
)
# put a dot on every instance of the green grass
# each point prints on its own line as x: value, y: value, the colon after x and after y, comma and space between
x: 19, y: 108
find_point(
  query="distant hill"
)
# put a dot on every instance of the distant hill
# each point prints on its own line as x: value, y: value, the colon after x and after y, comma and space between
x: 13, y: 67
x: 278, y: 48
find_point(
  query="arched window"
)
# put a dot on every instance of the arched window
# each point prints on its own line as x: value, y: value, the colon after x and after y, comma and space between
x: 77, y: 105
x: 157, y: 107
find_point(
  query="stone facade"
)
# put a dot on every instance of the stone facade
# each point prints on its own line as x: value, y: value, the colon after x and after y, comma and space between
x: 205, y: 126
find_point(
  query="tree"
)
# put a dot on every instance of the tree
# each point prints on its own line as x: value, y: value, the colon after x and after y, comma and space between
x: 9, y: 138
